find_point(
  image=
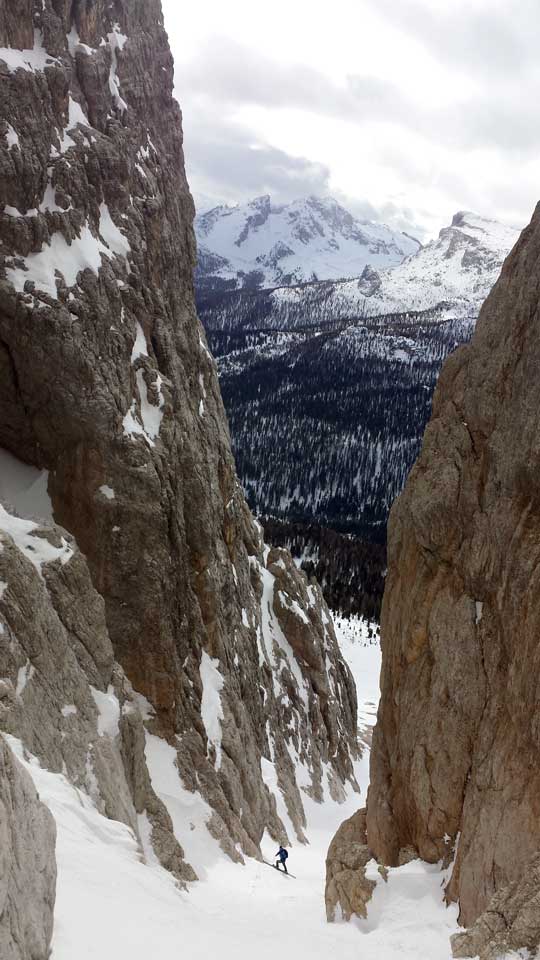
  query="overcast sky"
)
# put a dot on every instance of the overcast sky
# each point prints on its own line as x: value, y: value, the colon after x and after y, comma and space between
x: 404, y: 110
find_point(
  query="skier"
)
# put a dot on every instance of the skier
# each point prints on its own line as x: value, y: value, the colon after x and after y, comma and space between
x: 281, y: 857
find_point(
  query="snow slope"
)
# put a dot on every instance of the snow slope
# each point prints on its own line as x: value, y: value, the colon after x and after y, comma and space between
x: 310, y: 238
x: 458, y: 269
x: 113, y: 905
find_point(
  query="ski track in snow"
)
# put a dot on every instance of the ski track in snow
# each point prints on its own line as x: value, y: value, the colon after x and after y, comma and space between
x: 112, y: 905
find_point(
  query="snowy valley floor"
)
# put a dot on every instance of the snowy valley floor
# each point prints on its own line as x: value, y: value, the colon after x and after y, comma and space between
x: 111, y: 906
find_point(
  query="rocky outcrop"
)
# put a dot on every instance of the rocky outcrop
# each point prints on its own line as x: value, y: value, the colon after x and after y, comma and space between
x: 108, y: 389
x: 27, y: 865
x: 454, y: 758
x: 348, y: 890
x: 62, y: 693
x: 510, y: 924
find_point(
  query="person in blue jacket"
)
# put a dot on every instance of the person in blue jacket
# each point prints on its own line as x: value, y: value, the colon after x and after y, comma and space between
x: 281, y: 856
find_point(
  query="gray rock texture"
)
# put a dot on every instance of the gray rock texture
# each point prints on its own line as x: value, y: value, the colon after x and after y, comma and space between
x: 348, y: 891
x: 58, y: 677
x: 106, y: 383
x: 27, y: 865
x: 511, y: 923
x: 455, y: 749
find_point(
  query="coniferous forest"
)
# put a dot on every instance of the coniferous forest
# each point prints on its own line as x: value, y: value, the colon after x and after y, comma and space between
x: 326, y: 416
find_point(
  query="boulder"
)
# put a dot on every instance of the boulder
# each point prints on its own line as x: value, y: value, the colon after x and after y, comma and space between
x: 348, y: 891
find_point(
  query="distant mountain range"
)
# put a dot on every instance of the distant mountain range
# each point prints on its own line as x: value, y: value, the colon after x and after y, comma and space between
x: 338, y: 376
x: 458, y: 269
x: 263, y: 244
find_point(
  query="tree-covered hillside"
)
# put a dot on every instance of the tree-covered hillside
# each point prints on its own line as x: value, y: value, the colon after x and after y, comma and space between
x: 327, y: 415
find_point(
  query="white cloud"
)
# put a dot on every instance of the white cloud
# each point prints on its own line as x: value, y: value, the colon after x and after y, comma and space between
x: 411, y: 110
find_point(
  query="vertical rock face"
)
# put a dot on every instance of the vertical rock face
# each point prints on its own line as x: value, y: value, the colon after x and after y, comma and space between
x: 61, y: 692
x: 455, y: 750
x: 107, y: 385
x: 27, y: 865
x: 348, y: 890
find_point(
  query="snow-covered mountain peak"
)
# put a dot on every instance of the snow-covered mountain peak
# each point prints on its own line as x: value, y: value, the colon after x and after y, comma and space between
x: 460, y: 218
x: 264, y: 244
x: 470, y: 230
x: 457, y: 269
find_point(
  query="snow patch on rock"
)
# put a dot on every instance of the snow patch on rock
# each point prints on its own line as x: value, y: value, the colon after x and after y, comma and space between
x: 36, y: 548
x: 108, y: 709
x: 31, y: 60
x: 110, y: 233
x: 211, y: 709
x: 69, y: 259
x: 12, y: 137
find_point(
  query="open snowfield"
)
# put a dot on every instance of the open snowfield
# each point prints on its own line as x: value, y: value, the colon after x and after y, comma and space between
x: 113, y: 906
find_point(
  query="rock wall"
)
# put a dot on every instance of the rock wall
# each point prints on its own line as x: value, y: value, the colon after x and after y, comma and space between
x: 455, y: 750
x: 27, y: 865
x: 348, y: 891
x: 510, y: 926
x: 163, y: 585
x: 62, y: 693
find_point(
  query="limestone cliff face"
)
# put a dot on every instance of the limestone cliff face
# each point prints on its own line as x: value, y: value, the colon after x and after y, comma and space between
x: 62, y: 694
x: 455, y: 750
x: 164, y: 588
x: 348, y: 891
x: 27, y: 865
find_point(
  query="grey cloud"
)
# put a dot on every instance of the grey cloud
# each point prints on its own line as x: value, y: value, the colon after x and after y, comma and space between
x: 498, y: 116
x: 489, y: 40
x: 228, y: 72
x: 400, y: 217
x: 225, y: 160
x: 232, y: 75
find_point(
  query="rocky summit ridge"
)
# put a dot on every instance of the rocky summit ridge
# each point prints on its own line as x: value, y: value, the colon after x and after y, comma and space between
x: 453, y: 273
x: 265, y: 244
x: 138, y: 603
